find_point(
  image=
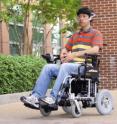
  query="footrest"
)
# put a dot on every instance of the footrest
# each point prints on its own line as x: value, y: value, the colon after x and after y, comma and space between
x: 47, y: 106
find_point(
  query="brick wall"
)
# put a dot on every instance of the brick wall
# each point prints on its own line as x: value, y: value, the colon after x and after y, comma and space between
x: 106, y: 22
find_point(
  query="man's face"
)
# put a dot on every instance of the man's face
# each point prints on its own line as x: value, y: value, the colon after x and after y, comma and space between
x: 83, y: 20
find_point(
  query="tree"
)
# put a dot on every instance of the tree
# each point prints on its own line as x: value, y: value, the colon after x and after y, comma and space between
x: 50, y: 11
x: 4, y: 47
x: 46, y: 11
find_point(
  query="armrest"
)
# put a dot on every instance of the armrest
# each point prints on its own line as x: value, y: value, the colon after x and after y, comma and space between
x: 51, y: 58
x: 86, y: 55
x: 93, y: 59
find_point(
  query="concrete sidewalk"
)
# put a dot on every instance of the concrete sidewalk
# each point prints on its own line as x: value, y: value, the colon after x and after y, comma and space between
x: 16, y: 113
x: 15, y: 97
x: 11, y: 98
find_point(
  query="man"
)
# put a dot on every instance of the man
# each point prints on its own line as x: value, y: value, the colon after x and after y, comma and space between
x: 87, y: 40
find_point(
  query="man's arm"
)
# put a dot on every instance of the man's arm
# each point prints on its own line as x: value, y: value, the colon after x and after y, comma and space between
x: 93, y: 50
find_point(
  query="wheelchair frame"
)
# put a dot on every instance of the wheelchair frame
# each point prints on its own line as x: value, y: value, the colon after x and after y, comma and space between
x: 81, y: 91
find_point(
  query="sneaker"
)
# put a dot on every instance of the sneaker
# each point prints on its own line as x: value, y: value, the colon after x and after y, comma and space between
x: 31, y: 101
x: 48, y: 100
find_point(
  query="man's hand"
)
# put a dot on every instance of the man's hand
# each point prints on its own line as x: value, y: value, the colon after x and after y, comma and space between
x: 66, y: 56
x: 63, y: 55
x: 69, y: 57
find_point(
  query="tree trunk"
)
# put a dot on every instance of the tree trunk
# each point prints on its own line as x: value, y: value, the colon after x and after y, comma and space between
x: 4, y: 36
x: 47, y: 48
x: 0, y: 31
x: 27, y: 34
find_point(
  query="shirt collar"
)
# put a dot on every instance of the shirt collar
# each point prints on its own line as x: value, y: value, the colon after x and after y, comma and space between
x: 88, y: 30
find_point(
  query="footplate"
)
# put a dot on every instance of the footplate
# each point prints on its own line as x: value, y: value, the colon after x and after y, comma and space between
x: 50, y: 107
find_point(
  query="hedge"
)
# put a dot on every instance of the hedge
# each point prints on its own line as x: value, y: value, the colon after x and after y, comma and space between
x: 19, y: 73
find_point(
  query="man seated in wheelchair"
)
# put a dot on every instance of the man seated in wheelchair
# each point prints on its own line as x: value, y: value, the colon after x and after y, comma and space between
x: 86, y: 41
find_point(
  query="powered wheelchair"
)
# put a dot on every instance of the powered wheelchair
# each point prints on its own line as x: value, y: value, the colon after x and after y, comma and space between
x: 80, y: 91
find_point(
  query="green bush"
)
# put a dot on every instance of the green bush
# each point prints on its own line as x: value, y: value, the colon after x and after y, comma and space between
x: 19, y: 73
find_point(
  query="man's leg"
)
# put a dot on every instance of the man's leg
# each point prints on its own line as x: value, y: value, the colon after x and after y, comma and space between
x: 65, y: 70
x: 41, y: 85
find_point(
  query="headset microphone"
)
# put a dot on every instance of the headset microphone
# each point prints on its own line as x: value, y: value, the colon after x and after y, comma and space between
x: 90, y: 18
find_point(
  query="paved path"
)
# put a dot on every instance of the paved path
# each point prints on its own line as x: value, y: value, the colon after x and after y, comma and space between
x: 16, y: 113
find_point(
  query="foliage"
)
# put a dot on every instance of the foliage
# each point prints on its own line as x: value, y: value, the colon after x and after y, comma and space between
x: 6, y: 13
x: 50, y: 11
x: 45, y: 11
x: 19, y: 73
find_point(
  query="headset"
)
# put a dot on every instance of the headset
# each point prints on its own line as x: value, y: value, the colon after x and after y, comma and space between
x: 92, y: 15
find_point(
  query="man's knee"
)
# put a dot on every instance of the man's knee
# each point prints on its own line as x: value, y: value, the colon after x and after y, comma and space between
x: 65, y: 66
x: 48, y: 66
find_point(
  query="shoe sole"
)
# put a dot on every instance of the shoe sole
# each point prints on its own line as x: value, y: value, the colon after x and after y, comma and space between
x: 30, y: 106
